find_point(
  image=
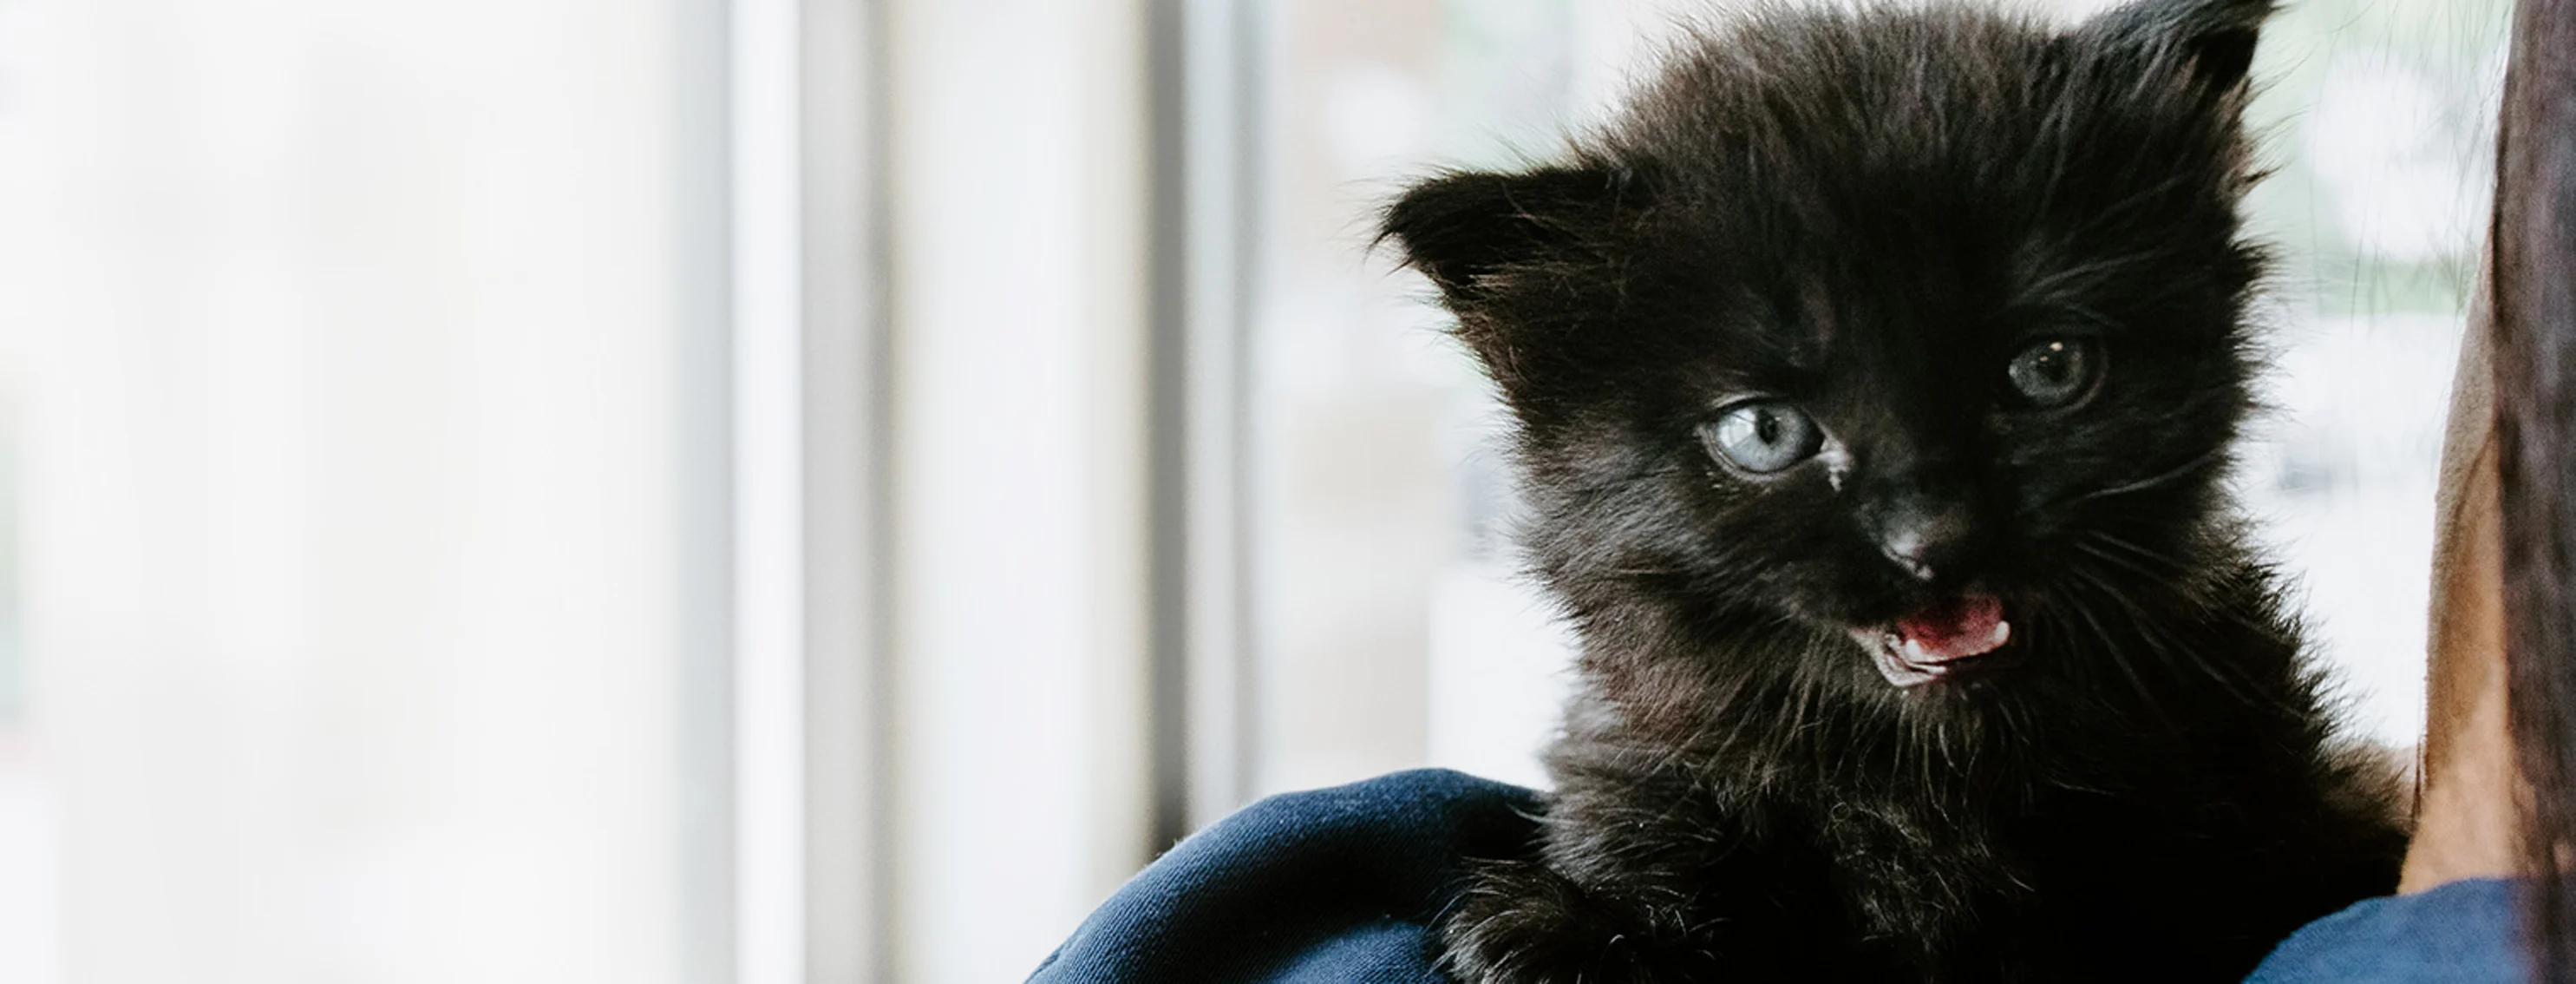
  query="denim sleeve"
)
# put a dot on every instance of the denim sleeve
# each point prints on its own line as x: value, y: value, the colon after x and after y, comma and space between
x: 2466, y: 932
x: 1337, y: 885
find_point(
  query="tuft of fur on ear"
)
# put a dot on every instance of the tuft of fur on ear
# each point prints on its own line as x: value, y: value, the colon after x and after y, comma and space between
x: 1513, y: 254
x: 2215, y: 37
x: 1463, y: 227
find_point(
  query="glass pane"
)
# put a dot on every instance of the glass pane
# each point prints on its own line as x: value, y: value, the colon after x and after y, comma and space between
x: 2381, y: 119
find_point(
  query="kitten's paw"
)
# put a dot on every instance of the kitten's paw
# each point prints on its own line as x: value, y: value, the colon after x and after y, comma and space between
x: 1522, y: 923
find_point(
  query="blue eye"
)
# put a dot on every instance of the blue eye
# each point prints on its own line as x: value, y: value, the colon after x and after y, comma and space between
x: 1763, y: 436
x: 2055, y: 372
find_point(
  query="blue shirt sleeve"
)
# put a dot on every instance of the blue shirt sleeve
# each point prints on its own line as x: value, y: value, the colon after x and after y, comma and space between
x: 1337, y: 885
x: 2466, y: 932
x: 1345, y: 884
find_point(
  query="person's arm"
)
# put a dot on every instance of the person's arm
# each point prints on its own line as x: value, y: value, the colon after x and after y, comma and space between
x: 2466, y: 807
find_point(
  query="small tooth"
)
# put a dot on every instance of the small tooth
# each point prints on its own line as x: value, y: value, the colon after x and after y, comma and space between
x: 2003, y: 634
x: 1914, y: 652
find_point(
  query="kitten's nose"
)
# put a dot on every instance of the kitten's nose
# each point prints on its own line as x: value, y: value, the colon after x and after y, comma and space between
x: 1928, y: 537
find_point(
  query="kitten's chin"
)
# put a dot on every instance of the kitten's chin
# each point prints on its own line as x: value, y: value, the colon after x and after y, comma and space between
x: 1957, y: 637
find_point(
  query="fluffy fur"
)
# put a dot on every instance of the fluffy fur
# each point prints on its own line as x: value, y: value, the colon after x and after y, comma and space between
x: 1866, y: 213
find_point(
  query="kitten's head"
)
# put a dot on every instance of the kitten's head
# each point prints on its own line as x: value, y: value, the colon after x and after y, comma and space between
x: 1916, y: 327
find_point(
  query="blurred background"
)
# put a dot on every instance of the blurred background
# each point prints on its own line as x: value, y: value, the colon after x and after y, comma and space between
x: 822, y: 490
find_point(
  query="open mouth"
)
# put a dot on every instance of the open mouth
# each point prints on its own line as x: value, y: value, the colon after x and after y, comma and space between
x: 1944, y: 639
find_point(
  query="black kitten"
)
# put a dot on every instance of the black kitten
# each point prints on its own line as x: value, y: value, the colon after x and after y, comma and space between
x: 1875, y: 379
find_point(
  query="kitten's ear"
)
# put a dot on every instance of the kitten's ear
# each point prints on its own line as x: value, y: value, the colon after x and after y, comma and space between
x: 2215, y: 37
x: 1463, y: 227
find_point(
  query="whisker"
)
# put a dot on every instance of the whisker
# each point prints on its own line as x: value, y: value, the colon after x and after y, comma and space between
x: 2134, y: 549
x: 2112, y: 650
x: 2107, y: 557
x: 2156, y: 481
x: 2183, y: 658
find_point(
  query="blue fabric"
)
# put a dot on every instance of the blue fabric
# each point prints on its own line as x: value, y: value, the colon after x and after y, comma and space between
x: 2466, y: 932
x: 1335, y: 885
x: 1342, y: 885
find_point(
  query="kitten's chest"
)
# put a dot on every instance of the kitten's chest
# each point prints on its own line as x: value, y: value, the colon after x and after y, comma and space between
x: 1964, y: 882
x: 1913, y: 871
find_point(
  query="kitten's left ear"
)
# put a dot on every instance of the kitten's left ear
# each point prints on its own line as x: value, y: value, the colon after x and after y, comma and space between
x: 1465, y: 226
x: 1497, y: 243
x: 2214, y: 37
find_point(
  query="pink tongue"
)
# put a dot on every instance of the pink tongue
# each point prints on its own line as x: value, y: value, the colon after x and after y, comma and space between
x: 1971, y: 625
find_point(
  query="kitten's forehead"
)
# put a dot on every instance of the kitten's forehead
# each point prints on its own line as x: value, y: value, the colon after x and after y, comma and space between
x: 1798, y: 119
x: 1808, y: 342
x: 1900, y: 303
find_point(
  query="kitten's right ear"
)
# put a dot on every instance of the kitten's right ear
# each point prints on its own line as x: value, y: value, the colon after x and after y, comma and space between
x: 1462, y: 228
x: 2214, y: 37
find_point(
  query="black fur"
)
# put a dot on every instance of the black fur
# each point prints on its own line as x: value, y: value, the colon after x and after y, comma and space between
x: 1867, y: 213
